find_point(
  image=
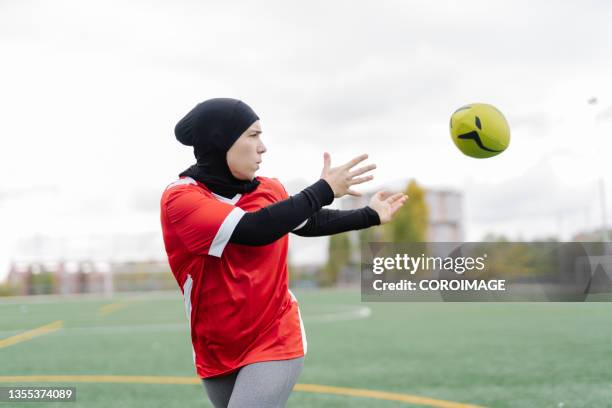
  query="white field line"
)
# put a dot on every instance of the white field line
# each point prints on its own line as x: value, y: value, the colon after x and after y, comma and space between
x: 352, y: 313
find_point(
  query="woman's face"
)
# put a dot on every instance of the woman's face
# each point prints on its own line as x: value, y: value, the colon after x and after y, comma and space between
x: 244, y: 156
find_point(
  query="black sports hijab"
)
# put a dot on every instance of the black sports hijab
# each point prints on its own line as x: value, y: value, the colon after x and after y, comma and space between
x: 211, y: 128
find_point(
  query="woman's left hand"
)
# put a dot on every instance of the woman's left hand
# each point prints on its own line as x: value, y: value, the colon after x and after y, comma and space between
x: 387, y: 204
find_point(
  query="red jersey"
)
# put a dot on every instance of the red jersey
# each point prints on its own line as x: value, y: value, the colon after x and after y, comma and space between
x: 237, y: 299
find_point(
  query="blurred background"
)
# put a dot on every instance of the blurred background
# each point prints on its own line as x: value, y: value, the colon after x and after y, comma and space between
x: 91, y: 92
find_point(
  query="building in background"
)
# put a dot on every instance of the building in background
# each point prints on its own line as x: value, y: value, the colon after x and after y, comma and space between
x: 95, y: 263
x: 445, y: 207
x: 594, y: 235
x: 445, y: 216
x: 70, y: 277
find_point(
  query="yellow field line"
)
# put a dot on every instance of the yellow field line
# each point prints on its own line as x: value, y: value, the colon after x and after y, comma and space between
x: 134, y: 379
x: 381, y: 395
x: 30, y: 334
x: 110, y: 308
x: 314, y: 388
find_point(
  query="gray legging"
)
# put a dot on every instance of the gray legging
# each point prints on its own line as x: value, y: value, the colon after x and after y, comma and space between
x: 258, y: 385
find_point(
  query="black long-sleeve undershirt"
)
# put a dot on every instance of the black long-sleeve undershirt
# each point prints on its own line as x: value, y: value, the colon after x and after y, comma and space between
x: 270, y: 223
x: 329, y: 222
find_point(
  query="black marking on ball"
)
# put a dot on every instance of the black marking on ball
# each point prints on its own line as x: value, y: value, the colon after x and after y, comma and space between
x: 478, y: 125
x: 473, y: 135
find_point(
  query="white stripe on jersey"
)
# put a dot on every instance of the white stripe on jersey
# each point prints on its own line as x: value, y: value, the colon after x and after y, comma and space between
x: 231, y: 201
x: 187, y: 294
x: 225, y: 232
x: 304, y: 341
x: 180, y: 182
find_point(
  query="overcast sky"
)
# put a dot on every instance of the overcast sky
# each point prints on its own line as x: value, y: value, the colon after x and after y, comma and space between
x: 90, y: 93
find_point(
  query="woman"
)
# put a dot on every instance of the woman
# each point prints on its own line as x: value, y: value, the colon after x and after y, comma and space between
x: 225, y: 233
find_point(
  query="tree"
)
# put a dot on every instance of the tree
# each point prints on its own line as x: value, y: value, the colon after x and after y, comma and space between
x: 492, y: 237
x: 410, y: 223
x: 338, y: 258
x: 43, y: 283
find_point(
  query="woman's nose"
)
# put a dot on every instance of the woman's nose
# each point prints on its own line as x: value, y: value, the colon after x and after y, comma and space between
x: 262, y: 148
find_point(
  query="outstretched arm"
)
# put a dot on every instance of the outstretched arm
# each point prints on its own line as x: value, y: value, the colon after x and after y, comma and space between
x: 329, y: 222
x: 270, y: 223
x: 381, y: 209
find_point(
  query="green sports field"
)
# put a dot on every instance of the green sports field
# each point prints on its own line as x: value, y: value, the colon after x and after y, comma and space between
x: 134, y: 351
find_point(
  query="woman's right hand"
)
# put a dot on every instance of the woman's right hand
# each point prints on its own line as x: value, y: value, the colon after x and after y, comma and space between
x: 341, y: 178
